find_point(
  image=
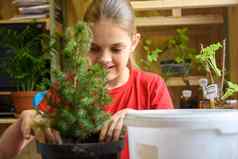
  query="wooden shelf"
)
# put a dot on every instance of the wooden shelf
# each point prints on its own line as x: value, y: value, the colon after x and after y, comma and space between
x: 183, y: 20
x: 9, y: 21
x: 28, y: 21
x: 7, y: 120
x: 169, y: 4
x: 5, y: 93
x: 180, y: 81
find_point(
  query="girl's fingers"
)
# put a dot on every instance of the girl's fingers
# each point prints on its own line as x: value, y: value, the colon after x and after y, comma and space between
x: 117, y: 130
x: 26, y: 131
x: 50, y: 138
x: 115, y: 127
x: 30, y: 122
x: 26, y: 123
x: 40, y: 135
x: 104, y: 131
x: 58, y: 137
x: 112, y: 130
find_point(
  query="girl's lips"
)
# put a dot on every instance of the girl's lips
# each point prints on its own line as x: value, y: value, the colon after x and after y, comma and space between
x: 108, y: 67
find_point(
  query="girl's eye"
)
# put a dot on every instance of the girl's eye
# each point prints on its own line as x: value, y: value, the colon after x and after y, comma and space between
x: 94, y: 49
x: 116, y: 50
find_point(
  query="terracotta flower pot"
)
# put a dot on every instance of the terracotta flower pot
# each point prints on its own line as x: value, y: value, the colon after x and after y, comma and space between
x: 22, y: 100
x: 81, y: 151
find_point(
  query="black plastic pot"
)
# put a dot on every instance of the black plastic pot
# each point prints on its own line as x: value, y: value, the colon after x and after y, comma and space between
x: 81, y: 151
x: 175, y: 69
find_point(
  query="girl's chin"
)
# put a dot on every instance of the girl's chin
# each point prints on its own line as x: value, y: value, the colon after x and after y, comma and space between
x: 111, y: 74
x: 111, y: 77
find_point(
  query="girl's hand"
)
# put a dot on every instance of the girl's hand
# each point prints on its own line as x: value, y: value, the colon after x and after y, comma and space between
x: 26, y: 119
x: 112, y: 129
x: 32, y: 124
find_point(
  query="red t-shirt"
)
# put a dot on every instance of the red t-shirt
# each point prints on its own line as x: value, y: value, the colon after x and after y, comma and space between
x: 142, y: 91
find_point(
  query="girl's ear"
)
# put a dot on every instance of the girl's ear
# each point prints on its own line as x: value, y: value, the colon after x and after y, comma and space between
x: 135, y: 41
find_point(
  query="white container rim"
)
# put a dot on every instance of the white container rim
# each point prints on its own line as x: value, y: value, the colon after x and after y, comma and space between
x: 225, y: 120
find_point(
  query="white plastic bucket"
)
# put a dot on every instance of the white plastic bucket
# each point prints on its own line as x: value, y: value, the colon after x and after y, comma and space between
x: 183, y: 134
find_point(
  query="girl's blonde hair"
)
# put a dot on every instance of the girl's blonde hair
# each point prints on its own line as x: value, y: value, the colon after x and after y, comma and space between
x: 118, y: 11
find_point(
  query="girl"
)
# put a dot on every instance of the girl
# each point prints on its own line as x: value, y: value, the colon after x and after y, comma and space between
x: 114, y: 40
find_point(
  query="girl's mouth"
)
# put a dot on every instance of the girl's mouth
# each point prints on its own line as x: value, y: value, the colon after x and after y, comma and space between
x: 108, y: 67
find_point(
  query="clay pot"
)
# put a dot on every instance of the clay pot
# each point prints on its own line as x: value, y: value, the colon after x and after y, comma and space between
x: 22, y: 100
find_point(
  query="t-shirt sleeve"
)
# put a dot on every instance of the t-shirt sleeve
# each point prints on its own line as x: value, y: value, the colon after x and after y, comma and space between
x: 160, y: 97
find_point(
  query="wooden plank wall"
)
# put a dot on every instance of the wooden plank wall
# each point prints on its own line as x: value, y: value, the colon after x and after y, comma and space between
x: 233, y: 39
x: 76, y: 10
x: 7, y: 10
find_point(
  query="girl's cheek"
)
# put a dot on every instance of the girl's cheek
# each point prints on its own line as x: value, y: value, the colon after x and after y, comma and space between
x: 93, y: 58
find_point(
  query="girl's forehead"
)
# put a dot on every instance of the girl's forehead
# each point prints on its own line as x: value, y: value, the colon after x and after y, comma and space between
x: 106, y: 32
x: 105, y: 24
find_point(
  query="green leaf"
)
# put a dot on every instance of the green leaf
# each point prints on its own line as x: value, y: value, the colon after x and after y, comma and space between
x: 148, y: 42
x: 231, y: 90
x: 207, y: 56
x: 153, y: 56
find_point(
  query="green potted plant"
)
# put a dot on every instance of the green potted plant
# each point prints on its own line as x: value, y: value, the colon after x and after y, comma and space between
x: 177, y: 55
x: 215, y: 91
x: 27, y: 64
x: 73, y: 105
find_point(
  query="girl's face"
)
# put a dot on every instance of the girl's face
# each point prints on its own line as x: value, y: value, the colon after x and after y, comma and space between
x: 112, y: 47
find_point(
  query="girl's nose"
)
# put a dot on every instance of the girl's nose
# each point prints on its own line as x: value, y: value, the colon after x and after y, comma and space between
x: 105, y: 57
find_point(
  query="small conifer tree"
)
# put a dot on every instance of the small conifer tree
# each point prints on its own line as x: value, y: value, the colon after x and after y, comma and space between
x: 76, y: 98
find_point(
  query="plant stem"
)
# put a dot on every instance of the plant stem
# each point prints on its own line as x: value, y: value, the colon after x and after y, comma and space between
x: 208, y: 69
x: 223, y: 67
x: 212, y: 103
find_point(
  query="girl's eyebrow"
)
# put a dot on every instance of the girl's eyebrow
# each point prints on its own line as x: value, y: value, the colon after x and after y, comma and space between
x: 119, y: 45
x: 94, y: 45
x: 113, y: 45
